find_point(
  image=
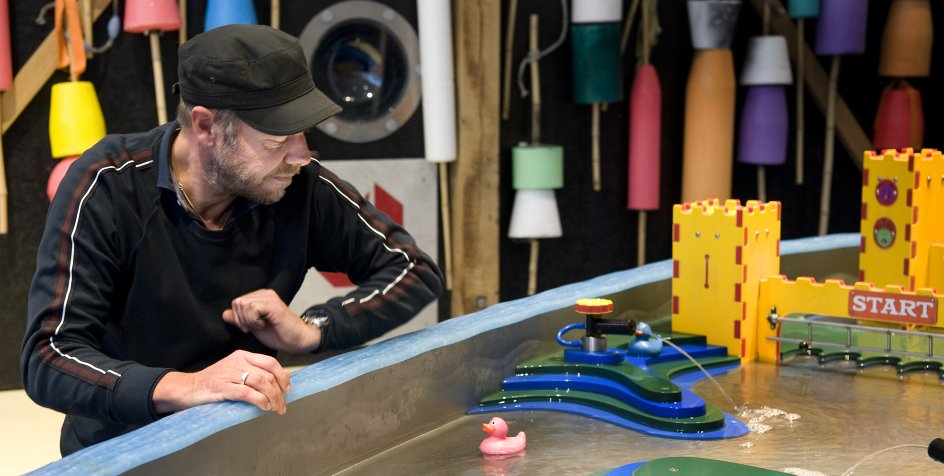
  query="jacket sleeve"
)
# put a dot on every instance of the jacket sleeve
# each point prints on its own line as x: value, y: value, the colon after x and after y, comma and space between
x: 395, y: 279
x: 77, y: 270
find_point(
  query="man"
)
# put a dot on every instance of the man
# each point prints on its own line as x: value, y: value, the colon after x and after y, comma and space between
x: 168, y: 256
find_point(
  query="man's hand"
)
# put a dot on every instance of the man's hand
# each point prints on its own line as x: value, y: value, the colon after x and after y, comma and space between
x: 265, y: 315
x: 264, y: 385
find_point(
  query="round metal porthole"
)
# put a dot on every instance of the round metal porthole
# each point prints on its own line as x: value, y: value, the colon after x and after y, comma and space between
x: 364, y: 56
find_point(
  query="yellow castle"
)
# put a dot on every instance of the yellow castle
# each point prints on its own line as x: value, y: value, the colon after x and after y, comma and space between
x: 726, y: 261
x: 720, y: 253
x: 902, y: 225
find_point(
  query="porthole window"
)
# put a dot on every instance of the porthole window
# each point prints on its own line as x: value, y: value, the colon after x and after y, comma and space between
x: 365, y: 57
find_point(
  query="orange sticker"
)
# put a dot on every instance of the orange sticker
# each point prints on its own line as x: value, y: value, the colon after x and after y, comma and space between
x: 893, y: 307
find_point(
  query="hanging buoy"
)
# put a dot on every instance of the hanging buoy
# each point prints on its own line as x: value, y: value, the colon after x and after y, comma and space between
x: 899, y: 123
x: 76, y: 121
x: 229, y: 12
x: 708, y: 151
x: 645, y: 119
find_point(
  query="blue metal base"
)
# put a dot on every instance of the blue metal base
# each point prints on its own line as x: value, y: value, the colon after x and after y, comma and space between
x: 610, y: 357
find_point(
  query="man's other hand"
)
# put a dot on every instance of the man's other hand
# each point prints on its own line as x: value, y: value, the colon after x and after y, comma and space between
x: 268, y: 318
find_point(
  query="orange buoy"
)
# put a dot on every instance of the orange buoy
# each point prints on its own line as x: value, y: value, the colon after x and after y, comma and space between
x: 709, y: 127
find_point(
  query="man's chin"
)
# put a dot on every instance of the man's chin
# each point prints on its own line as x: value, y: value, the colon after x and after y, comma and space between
x: 269, y: 198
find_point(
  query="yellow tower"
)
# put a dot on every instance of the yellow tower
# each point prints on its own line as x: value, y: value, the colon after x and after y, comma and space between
x: 901, y: 225
x: 719, y: 255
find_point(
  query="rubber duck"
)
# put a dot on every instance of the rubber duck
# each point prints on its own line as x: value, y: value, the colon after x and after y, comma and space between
x: 642, y: 345
x: 498, y: 442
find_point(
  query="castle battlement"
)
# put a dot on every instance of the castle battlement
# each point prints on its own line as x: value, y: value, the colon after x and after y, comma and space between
x: 901, y: 222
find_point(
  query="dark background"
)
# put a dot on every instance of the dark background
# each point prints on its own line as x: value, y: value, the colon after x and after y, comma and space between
x: 599, y: 232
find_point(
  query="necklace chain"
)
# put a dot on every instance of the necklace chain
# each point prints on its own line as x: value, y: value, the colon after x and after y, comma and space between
x: 180, y: 187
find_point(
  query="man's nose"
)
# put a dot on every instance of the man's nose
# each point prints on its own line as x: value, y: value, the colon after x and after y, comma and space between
x: 297, y: 153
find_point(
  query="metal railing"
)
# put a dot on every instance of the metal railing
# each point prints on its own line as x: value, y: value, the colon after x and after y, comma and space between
x: 774, y: 319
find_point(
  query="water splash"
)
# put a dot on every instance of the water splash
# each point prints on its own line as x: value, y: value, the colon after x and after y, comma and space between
x: 851, y: 470
x: 728, y: 397
x: 756, y: 417
x: 802, y: 472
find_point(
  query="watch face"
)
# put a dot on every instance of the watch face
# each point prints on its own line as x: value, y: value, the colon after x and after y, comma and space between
x: 316, y: 317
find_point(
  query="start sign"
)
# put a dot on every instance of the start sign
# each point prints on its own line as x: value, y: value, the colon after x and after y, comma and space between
x: 892, y: 307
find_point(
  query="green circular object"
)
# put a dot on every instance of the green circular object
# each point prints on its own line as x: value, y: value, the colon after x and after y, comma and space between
x: 597, y: 67
x: 537, y: 167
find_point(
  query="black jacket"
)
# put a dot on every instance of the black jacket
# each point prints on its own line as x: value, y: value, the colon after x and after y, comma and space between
x: 129, y: 285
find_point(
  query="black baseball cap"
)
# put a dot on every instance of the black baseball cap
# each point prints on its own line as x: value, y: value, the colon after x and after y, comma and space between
x: 258, y: 72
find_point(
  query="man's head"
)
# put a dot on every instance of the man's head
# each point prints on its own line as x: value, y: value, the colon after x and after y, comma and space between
x: 258, y: 72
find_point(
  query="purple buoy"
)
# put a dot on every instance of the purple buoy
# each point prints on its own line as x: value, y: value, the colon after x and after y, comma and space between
x: 841, y: 27
x: 762, y: 134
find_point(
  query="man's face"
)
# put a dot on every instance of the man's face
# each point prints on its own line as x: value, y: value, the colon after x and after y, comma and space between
x: 258, y: 166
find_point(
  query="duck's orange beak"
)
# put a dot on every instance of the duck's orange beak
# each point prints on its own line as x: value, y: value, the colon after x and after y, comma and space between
x: 488, y: 428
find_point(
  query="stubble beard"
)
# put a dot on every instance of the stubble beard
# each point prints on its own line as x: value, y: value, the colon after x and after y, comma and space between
x: 229, y: 172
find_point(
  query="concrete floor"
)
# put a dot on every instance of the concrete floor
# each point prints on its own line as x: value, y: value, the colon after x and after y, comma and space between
x: 30, y: 435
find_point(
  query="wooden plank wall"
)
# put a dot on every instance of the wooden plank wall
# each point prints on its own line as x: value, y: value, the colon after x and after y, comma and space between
x: 474, y: 176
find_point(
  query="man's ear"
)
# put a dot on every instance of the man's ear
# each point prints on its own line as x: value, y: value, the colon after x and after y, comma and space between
x: 202, y: 120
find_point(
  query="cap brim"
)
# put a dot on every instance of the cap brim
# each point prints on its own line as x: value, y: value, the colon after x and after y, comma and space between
x: 297, y: 115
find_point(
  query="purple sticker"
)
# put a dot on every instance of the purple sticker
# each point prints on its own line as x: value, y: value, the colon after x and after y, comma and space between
x: 886, y: 192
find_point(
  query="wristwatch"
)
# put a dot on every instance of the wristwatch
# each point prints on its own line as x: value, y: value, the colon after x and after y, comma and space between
x: 316, y: 316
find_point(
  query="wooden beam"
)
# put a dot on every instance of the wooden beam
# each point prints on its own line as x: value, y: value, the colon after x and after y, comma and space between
x: 35, y: 73
x: 855, y: 140
x: 475, y: 172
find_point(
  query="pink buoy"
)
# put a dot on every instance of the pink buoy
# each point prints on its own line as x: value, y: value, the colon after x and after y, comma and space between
x: 151, y: 17
x: 645, y: 119
x: 56, y: 176
x: 6, y: 63
x: 142, y: 16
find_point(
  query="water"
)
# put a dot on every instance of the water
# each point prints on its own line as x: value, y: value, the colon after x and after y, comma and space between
x: 726, y: 396
x: 848, y: 415
x: 851, y: 471
x: 758, y: 420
